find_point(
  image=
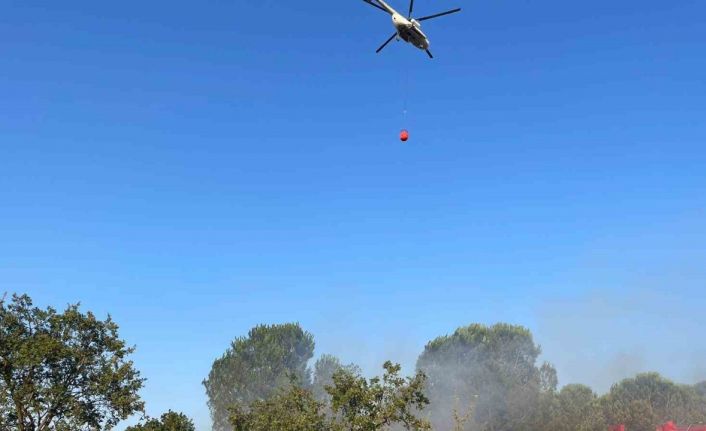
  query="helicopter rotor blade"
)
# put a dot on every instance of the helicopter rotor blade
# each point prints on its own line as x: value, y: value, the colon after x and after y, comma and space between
x: 377, y: 6
x: 429, y: 54
x: 386, y: 42
x: 411, y: 8
x: 448, y: 12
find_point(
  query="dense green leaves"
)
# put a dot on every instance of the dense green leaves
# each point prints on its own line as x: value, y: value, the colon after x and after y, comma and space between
x: 63, y: 371
x: 170, y: 421
x: 324, y: 369
x: 358, y: 404
x: 376, y: 404
x: 290, y: 409
x: 254, y: 367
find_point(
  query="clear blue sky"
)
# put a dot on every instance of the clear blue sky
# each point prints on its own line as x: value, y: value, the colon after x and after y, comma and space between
x: 196, y: 168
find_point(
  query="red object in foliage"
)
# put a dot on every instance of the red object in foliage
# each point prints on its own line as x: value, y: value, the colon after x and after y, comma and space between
x: 671, y: 426
x: 404, y: 135
x: 667, y: 426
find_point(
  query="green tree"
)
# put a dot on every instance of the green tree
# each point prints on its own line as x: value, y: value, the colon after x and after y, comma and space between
x: 324, y: 369
x: 63, y: 371
x: 254, y: 367
x: 358, y: 404
x: 576, y: 408
x: 291, y: 408
x: 170, y: 421
x: 378, y: 403
x: 648, y: 399
x: 498, y: 365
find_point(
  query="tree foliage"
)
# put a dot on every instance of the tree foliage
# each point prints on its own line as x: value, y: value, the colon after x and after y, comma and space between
x: 170, y: 421
x: 648, y: 399
x: 254, y: 367
x: 63, y: 371
x: 378, y: 403
x: 576, y: 408
x: 324, y: 369
x: 497, y: 364
x: 701, y: 388
x: 358, y: 404
x: 292, y: 408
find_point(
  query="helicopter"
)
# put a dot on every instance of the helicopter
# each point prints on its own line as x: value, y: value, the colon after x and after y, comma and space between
x: 407, y: 29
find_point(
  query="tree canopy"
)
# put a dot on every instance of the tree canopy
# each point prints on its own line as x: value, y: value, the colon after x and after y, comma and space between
x: 170, y: 421
x: 324, y: 369
x: 493, y: 368
x: 576, y: 408
x: 63, y: 371
x: 648, y: 399
x: 254, y: 367
x: 701, y: 388
x: 357, y: 403
x: 378, y: 403
x: 291, y: 408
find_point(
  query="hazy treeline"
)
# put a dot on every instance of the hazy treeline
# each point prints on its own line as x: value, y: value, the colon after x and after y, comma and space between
x: 70, y: 371
x: 480, y: 378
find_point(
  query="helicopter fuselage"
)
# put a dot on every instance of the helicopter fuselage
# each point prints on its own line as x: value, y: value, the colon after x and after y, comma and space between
x: 410, y: 31
x: 408, y: 28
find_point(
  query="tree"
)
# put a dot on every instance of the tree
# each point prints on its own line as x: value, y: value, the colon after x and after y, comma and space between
x: 548, y: 380
x: 377, y: 404
x: 170, y: 421
x: 357, y: 404
x: 292, y: 408
x: 576, y: 408
x: 701, y: 388
x: 648, y: 399
x: 497, y: 364
x: 63, y: 371
x: 254, y: 367
x: 324, y: 369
